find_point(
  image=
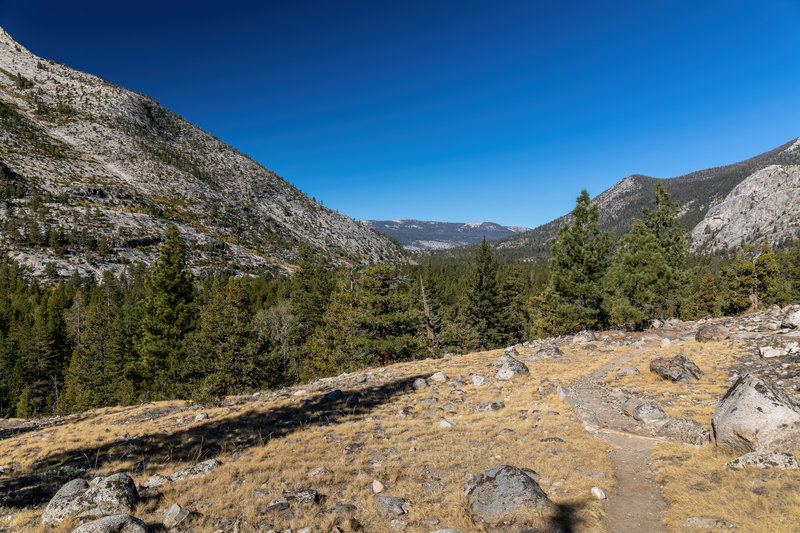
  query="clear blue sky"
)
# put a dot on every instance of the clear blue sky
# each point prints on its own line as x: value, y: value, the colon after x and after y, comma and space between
x: 451, y: 111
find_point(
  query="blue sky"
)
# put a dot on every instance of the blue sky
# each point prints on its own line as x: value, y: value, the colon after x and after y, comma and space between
x: 453, y: 111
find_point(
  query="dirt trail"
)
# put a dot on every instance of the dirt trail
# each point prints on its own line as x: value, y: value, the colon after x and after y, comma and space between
x: 636, y: 505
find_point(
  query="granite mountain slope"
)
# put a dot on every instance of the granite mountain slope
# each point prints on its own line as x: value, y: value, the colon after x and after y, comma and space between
x: 93, y: 173
x: 756, y: 200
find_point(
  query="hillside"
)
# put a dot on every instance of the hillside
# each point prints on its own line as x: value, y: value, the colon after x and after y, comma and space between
x: 394, y: 448
x: 742, y: 197
x: 428, y: 235
x: 91, y: 174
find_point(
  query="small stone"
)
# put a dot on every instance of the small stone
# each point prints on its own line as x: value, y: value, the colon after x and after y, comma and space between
x: 120, y: 523
x: 713, y: 524
x: 627, y: 371
x: 488, y: 407
x: 361, y: 379
x: 391, y: 505
x: 768, y: 352
x: 199, y: 417
x: 439, y: 377
x: 446, y: 424
x: 420, y: 383
x: 334, y: 395
x: 666, y: 343
x: 175, y: 515
x: 398, y: 525
x: 352, y: 400
x: 711, y: 332
x: 319, y: 471
x: 377, y: 486
x: 781, y: 461
x: 598, y: 494
x: 479, y: 380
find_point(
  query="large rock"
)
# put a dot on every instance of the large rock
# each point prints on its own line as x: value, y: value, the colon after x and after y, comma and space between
x: 510, y: 367
x: 113, y: 495
x: 753, y: 416
x: 175, y: 516
x: 119, y: 523
x: 507, y: 499
x: 193, y: 471
x: 647, y: 412
x: 791, y: 319
x: 782, y: 461
x: 710, y: 332
x: 685, y: 430
x: 678, y: 368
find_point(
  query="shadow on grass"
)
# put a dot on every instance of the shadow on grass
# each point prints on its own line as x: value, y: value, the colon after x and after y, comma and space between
x: 568, y: 516
x: 197, y: 442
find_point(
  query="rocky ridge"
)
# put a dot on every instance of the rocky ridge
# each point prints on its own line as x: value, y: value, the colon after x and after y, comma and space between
x: 416, y: 235
x: 102, y: 171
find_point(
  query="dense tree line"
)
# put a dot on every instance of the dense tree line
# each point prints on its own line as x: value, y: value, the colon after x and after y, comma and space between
x: 157, y: 333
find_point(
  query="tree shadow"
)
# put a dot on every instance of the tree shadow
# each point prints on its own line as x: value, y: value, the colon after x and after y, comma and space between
x: 198, y: 441
x: 568, y: 516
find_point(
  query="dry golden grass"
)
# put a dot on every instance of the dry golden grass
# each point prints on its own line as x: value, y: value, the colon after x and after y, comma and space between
x: 412, y: 455
x: 697, y: 484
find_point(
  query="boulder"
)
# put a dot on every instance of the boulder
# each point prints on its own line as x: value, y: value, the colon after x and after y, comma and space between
x: 598, y: 493
x: 584, y: 337
x: 685, y: 430
x: 677, y: 368
x: 768, y: 352
x: 420, y: 383
x: 198, y: 470
x: 782, y: 461
x: 649, y: 413
x: 626, y: 371
x: 506, y: 498
x: 439, y: 377
x: 548, y: 352
x: 510, y: 367
x: 391, y: 505
x: 791, y: 319
x: 511, y: 350
x: 118, y: 523
x: 754, y: 416
x: 175, y: 516
x: 112, y: 495
x: 488, y: 407
x: 478, y: 379
x: 711, y: 332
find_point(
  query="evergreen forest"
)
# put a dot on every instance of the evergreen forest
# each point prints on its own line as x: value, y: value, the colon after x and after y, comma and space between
x: 159, y: 333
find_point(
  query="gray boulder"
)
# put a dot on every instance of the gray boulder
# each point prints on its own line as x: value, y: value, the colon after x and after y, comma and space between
x: 648, y: 412
x: 420, y: 383
x: 190, y: 472
x: 112, y: 495
x: 678, y: 368
x: 548, y: 352
x: 754, y: 416
x: 175, y: 516
x: 626, y: 371
x: 685, y: 430
x: 507, y: 499
x: 711, y: 332
x: 782, y: 461
x: 391, y: 505
x: 791, y: 319
x: 119, y: 523
x: 510, y: 367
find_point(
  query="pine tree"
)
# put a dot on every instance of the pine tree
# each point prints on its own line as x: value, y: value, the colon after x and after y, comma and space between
x: 167, y: 316
x: 638, y: 277
x: 751, y: 279
x: 793, y: 272
x: 484, y: 308
x: 663, y: 222
x: 704, y: 300
x: 369, y: 322
x: 311, y: 291
x: 579, y: 263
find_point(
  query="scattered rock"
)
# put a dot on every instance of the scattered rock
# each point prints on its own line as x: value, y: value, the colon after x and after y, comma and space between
x: 391, y: 505
x: 715, y: 524
x: 584, y: 337
x: 563, y: 392
x: 301, y: 495
x: 678, y: 368
x: 791, y: 319
x: 447, y: 423
x: 548, y: 352
x: 782, y: 461
x: 334, y: 396
x: 650, y: 413
x: 510, y: 367
x: 511, y: 350
x: 488, y: 407
x: 377, y: 486
x: 113, y: 495
x: 398, y: 525
x: 352, y: 400
x: 199, y: 417
x: 666, y: 343
x: 503, y: 497
x: 685, y: 430
x: 319, y: 471
x: 361, y: 379
x: 753, y: 416
x: 439, y: 377
x: 193, y: 471
x: 175, y: 515
x: 711, y: 332
x: 420, y: 383
x: 479, y: 380
x: 119, y: 523
x: 768, y: 352
x: 627, y: 371
x: 598, y: 494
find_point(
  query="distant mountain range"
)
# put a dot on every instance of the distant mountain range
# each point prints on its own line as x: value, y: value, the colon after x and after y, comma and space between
x: 428, y: 235
x: 91, y: 174
x: 756, y: 200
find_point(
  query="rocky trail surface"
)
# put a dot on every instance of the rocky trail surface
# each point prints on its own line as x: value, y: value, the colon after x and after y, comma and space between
x: 636, y: 505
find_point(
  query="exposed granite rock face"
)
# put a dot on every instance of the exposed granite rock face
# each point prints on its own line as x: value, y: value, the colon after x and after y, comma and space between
x: 765, y: 207
x: 116, y: 164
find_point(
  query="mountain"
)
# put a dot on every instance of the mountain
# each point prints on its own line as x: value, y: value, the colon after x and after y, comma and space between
x: 756, y: 200
x: 91, y: 174
x: 429, y: 235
